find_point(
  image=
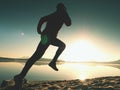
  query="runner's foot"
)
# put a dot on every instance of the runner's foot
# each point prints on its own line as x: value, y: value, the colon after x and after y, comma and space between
x: 53, y: 66
x: 18, y: 82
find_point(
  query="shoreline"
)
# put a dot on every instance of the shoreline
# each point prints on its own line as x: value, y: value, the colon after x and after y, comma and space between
x: 101, y: 83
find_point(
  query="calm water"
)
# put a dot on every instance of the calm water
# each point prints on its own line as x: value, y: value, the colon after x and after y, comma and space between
x: 67, y: 71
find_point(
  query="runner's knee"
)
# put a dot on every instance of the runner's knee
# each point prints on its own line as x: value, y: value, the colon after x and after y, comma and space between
x: 34, y: 58
x: 62, y: 47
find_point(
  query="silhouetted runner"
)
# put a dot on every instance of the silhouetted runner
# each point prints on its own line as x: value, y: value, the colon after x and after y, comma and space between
x: 54, y: 22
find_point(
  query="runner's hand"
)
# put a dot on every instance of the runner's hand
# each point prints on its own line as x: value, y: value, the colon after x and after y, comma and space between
x: 40, y: 32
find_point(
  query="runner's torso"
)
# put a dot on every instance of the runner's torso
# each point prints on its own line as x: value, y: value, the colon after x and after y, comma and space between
x: 54, y: 23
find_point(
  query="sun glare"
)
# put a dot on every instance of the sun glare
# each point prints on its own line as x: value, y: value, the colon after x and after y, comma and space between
x: 82, y: 77
x: 82, y: 50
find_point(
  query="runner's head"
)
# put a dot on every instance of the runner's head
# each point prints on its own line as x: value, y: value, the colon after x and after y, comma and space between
x: 60, y: 6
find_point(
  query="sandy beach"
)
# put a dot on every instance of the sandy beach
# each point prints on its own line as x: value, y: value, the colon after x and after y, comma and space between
x: 102, y: 83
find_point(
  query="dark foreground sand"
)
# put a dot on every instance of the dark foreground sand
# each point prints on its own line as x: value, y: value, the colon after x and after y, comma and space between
x: 102, y: 83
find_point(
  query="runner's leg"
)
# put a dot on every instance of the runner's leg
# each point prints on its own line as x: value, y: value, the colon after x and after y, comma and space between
x: 61, y: 47
x: 37, y: 55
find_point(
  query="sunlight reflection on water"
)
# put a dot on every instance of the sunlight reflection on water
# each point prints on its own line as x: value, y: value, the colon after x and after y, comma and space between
x: 67, y: 71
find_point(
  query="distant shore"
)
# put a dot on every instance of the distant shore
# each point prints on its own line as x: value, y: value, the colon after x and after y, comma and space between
x: 102, y: 83
x: 44, y: 61
x: 6, y: 59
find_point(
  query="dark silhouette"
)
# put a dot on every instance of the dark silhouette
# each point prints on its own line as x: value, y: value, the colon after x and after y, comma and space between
x: 54, y: 22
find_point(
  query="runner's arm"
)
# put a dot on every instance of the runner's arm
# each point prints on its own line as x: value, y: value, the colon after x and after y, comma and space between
x: 67, y: 19
x: 42, y: 20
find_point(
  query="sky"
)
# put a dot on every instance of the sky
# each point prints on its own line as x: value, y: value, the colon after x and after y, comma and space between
x: 93, y: 36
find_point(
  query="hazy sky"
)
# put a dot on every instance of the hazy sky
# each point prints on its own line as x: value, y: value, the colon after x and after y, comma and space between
x: 94, y: 21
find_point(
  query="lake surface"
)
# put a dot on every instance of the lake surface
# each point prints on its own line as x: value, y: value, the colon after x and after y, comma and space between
x: 67, y: 71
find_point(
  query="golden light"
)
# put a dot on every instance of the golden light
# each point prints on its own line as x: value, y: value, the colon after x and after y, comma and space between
x: 82, y: 77
x: 83, y: 50
x: 83, y: 70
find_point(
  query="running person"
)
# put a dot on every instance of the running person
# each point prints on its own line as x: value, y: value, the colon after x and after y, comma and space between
x: 54, y: 22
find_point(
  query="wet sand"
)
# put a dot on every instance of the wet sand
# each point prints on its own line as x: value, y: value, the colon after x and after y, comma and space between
x: 102, y: 83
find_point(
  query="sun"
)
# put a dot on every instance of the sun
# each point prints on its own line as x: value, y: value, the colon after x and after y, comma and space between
x: 82, y: 50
